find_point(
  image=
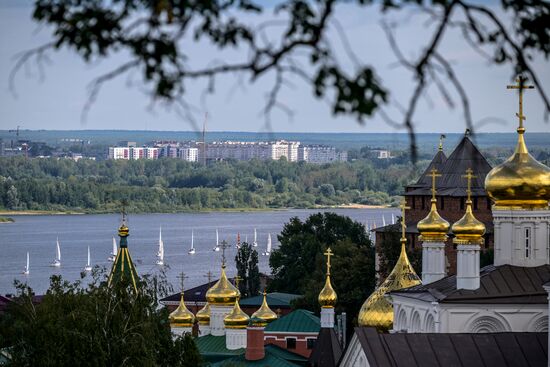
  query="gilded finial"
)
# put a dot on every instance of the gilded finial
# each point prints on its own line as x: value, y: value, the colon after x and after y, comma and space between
x: 264, y: 312
x: 123, y: 230
x: 237, y: 280
x: 433, y: 228
x: 441, y: 138
x: 468, y: 230
x: 224, y: 246
x: 327, y: 297
x: 209, y: 277
x: 403, y: 207
x: 520, y: 86
x: 181, y: 316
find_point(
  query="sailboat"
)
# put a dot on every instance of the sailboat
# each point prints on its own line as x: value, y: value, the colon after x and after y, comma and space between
x: 255, y: 243
x: 238, y: 244
x: 160, y: 253
x: 112, y: 257
x: 217, y: 248
x: 57, y: 261
x: 383, y: 221
x: 26, y: 271
x: 88, y: 266
x: 268, y: 250
x: 392, y: 218
x: 192, y: 249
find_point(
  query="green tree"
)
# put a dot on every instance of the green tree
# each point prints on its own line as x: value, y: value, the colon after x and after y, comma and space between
x: 95, y: 325
x: 12, y: 199
x: 246, y: 262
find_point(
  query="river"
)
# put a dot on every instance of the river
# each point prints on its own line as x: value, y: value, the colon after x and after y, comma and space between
x: 37, y: 235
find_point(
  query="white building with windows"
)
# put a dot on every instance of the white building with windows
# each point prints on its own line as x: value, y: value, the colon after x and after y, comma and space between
x: 189, y: 154
x: 320, y: 154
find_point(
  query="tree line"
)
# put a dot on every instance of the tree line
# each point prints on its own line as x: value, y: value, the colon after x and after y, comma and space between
x: 167, y: 185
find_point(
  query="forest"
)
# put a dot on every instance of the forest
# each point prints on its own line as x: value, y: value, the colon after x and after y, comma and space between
x: 169, y: 185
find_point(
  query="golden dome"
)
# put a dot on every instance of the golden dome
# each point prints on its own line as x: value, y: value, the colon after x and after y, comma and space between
x: 181, y: 316
x: 264, y: 312
x: 468, y: 230
x: 328, y: 297
x: 223, y: 293
x: 521, y: 182
x: 236, y: 319
x: 203, y: 315
x: 377, y: 311
x: 123, y: 231
x: 433, y: 228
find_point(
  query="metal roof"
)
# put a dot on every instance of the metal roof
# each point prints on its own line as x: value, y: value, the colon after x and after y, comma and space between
x: 274, y: 300
x: 504, y: 284
x: 274, y: 357
x: 467, y: 350
x: 300, y: 321
x: 327, y: 350
x: 451, y: 183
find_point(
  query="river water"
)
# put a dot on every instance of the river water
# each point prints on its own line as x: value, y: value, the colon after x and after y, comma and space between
x: 37, y: 235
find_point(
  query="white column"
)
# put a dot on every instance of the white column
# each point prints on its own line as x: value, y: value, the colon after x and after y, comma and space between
x: 433, y: 261
x: 467, y: 267
x: 327, y: 317
x: 235, y: 338
x: 179, y: 331
x: 217, y: 314
x: 204, y: 329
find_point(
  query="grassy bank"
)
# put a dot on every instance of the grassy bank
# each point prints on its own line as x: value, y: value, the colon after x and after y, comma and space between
x: 6, y: 220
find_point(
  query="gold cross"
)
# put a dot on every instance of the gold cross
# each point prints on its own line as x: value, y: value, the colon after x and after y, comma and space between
x: 433, y: 173
x: 224, y: 246
x: 237, y: 280
x: 520, y: 86
x: 182, y: 276
x: 403, y: 207
x: 328, y: 254
x: 124, y: 203
x: 469, y: 175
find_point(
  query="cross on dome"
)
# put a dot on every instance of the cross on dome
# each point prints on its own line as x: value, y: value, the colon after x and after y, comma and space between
x: 520, y: 86
x: 328, y: 254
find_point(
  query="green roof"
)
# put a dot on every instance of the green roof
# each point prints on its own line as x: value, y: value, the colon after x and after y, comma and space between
x: 274, y: 357
x: 274, y: 300
x: 123, y: 267
x: 297, y: 321
x: 212, y: 348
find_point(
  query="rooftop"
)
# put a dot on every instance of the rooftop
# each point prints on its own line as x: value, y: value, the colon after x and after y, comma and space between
x: 301, y: 321
x: 274, y: 300
x: 274, y: 357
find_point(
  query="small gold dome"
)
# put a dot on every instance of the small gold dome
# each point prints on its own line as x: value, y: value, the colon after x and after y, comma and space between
x: 223, y: 293
x: 203, y: 315
x: 433, y: 228
x: 521, y: 182
x: 327, y: 297
x: 468, y: 230
x: 181, y: 316
x: 123, y: 231
x: 264, y: 312
x: 377, y: 311
x: 236, y: 319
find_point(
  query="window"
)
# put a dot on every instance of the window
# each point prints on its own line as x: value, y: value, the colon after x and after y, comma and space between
x: 310, y: 343
x: 291, y: 343
x: 527, y: 242
x: 475, y: 203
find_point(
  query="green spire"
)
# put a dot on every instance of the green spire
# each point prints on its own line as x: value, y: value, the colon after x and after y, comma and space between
x: 123, y: 267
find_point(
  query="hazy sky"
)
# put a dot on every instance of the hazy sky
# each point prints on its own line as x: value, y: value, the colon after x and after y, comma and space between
x: 56, y: 102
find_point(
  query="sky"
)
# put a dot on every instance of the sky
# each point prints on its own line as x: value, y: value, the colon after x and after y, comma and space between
x: 56, y: 100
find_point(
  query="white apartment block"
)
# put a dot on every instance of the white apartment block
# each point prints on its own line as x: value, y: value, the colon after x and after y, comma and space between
x: 151, y: 153
x: 189, y: 154
x: 119, y: 153
x: 320, y: 154
x: 244, y: 151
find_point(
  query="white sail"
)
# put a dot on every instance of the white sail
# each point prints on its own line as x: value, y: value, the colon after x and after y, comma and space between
x: 160, y: 253
x: 57, y: 261
x: 383, y: 221
x: 112, y: 257
x: 217, y: 247
x: 269, y: 243
x: 192, y: 249
x: 255, y: 243
x: 392, y: 218
x: 88, y: 267
x: 26, y: 271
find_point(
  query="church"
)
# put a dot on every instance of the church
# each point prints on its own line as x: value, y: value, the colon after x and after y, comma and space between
x: 495, y: 315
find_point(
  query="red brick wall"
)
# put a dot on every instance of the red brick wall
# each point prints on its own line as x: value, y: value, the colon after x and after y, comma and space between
x: 301, y: 342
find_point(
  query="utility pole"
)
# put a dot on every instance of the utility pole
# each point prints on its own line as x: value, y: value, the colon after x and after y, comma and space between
x: 204, y: 139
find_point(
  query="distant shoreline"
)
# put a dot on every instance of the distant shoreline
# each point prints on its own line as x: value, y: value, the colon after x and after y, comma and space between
x: 228, y: 210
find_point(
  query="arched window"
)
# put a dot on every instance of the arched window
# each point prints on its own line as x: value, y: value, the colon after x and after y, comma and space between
x: 416, y: 325
x: 429, y: 325
x: 402, y: 323
x: 487, y: 324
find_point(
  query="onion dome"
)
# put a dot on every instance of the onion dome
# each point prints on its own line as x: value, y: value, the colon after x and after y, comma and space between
x: 521, y: 182
x: 203, y: 315
x: 433, y: 228
x: 181, y: 316
x: 223, y: 293
x: 377, y: 311
x: 257, y: 322
x: 123, y: 230
x: 264, y: 312
x: 327, y: 297
x: 236, y: 319
x: 468, y: 230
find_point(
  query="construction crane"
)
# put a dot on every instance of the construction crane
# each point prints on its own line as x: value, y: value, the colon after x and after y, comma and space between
x: 16, y: 131
x: 204, y: 139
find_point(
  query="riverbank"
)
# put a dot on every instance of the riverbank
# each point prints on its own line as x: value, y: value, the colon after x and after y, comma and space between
x: 6, y: 220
